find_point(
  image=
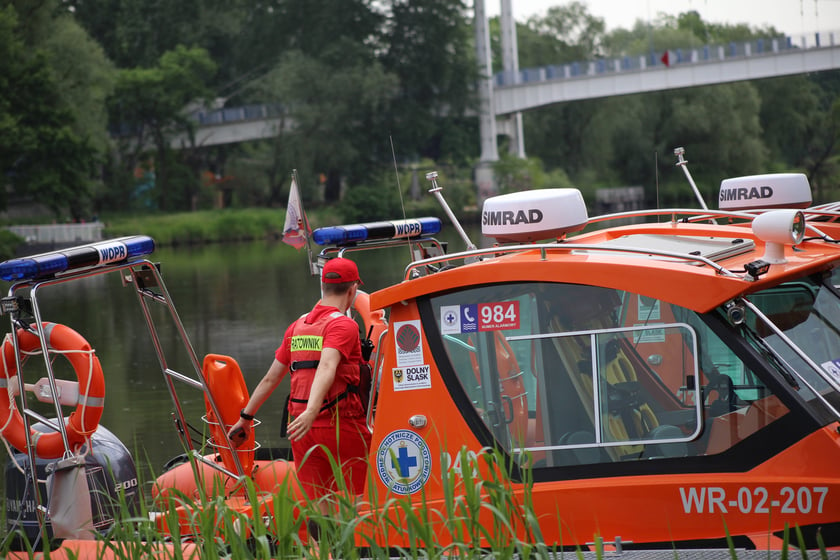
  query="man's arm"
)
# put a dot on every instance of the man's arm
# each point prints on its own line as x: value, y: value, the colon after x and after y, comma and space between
x: 324, y: 378
x: 267, y: 384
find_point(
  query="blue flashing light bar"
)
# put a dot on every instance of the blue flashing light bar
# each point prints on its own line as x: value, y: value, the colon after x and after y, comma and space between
x: 373, y: 231
x: 74, y: 258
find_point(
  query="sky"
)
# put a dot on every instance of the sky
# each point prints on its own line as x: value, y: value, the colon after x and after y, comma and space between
x: 793, y: 17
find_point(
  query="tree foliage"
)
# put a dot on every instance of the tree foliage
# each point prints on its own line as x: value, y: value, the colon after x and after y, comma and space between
x: 429, y: 50
x: 152, y: 105
x: 47, y: 150
x: 728, y: 129
x: 331, y: 111
x: 360, y: 83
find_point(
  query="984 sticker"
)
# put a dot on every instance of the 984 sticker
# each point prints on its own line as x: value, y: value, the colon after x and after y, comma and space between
x: 714, y: 499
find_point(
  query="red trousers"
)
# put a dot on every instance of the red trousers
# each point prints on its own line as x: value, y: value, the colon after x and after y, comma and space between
x: 345, y: 445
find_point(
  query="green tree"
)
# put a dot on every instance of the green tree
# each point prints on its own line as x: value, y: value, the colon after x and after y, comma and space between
x: 329, y: 113
x: 46, y: 153
x: 565, y: 33
x: 153, y: 105
x: 138, y: 32
x: 430, y: 51
x: 630, y: 140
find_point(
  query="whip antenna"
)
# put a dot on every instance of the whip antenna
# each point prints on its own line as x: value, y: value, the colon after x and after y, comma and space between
x: 682, y: 162
x: 656, y: 179
x: 435, y: 190
x: 399, y: 190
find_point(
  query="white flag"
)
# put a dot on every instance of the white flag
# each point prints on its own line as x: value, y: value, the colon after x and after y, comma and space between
x: 294, y: 230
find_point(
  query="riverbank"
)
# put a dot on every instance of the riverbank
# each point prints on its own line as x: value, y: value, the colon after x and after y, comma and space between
x: 200, y: 227
x: 208, y: 226
x: 180, y: 229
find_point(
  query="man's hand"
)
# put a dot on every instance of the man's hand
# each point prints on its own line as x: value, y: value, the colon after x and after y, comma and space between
x: 300, y: 425
x: 239, y: 432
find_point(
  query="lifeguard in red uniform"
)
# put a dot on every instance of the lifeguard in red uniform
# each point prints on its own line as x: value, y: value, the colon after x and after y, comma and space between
x: 326, y: 415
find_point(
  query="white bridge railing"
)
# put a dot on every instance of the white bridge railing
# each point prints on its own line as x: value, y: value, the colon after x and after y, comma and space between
x: 60, y: 233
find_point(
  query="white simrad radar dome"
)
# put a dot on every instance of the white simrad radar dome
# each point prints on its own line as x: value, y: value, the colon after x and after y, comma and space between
x: 772, y: 190
x: 533, y: 215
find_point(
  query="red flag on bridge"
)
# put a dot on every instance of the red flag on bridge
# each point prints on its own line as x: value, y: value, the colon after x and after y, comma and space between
x: 666, y: 58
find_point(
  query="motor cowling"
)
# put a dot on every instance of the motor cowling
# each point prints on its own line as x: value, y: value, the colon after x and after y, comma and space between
x: 110, y: 471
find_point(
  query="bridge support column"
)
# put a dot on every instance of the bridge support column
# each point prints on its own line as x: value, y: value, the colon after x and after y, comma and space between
x: 485, y: 179
x: 510, y: 64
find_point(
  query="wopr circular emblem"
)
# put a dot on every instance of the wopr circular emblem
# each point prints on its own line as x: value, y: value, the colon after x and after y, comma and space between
x: 404, y: 462
x: 408, y: 337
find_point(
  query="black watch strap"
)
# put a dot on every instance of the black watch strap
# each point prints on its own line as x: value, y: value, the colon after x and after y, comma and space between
x: 243, y: 414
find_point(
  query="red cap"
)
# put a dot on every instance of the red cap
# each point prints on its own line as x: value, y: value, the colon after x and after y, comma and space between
x: 339, y: 270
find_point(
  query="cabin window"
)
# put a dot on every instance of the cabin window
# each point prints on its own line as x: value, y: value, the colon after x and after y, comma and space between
x: 564, y: 374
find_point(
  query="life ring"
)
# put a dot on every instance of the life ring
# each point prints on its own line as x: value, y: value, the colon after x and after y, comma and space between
x: 511, y: 384
x: 83, y: 421
x: 375, y: 318
x: 513, y: 388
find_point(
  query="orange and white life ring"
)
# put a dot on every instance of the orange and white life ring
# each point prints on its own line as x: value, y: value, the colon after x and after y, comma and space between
x: 83, y: 421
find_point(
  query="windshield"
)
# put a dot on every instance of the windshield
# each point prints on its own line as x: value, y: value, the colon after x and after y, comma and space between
x: 566, y: 374
x: 806, y: 312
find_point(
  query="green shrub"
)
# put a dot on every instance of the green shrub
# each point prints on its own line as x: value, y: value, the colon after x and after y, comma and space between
x: 8, y: 243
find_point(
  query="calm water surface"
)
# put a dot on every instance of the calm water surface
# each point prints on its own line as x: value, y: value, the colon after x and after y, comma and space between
x: 234, y: 299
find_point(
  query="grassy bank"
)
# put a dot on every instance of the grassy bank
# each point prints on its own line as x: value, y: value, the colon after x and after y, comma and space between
x: 209, y: 226
x: 213, y: 226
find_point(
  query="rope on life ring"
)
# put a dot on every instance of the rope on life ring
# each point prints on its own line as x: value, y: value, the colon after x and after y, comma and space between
x: 83, y: 421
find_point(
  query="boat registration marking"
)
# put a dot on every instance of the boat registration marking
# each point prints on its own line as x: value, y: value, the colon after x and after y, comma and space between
x: 789, y: 499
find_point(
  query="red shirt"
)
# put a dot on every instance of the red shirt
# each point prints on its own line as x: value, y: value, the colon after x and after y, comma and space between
x: 342, y: 334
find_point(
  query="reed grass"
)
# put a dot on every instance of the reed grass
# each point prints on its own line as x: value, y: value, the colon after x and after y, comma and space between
x: 458, y: 527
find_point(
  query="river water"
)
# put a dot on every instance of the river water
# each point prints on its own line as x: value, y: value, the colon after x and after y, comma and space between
x: 233, y: 299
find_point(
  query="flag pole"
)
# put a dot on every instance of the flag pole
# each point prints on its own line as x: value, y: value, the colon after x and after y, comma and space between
x: 313, y: 265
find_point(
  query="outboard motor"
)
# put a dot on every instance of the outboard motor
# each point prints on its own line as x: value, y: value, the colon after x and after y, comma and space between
x: 110, y: 470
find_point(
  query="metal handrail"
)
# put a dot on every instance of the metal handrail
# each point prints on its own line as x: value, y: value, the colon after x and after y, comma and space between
x: 494, y: 252
x: 130, y: 275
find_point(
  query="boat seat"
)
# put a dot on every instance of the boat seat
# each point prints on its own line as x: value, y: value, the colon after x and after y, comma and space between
x: 664, y: 431
x: 584, y: 455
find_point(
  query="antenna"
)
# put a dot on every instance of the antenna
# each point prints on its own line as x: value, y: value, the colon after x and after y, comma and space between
x: 399, y: 190
x: 656, y: 177
x: 435, y: 190
x: 682, y: 162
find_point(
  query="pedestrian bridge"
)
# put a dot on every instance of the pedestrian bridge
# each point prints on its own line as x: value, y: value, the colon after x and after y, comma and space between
x: 678, y: 68
x: 536, y: 87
